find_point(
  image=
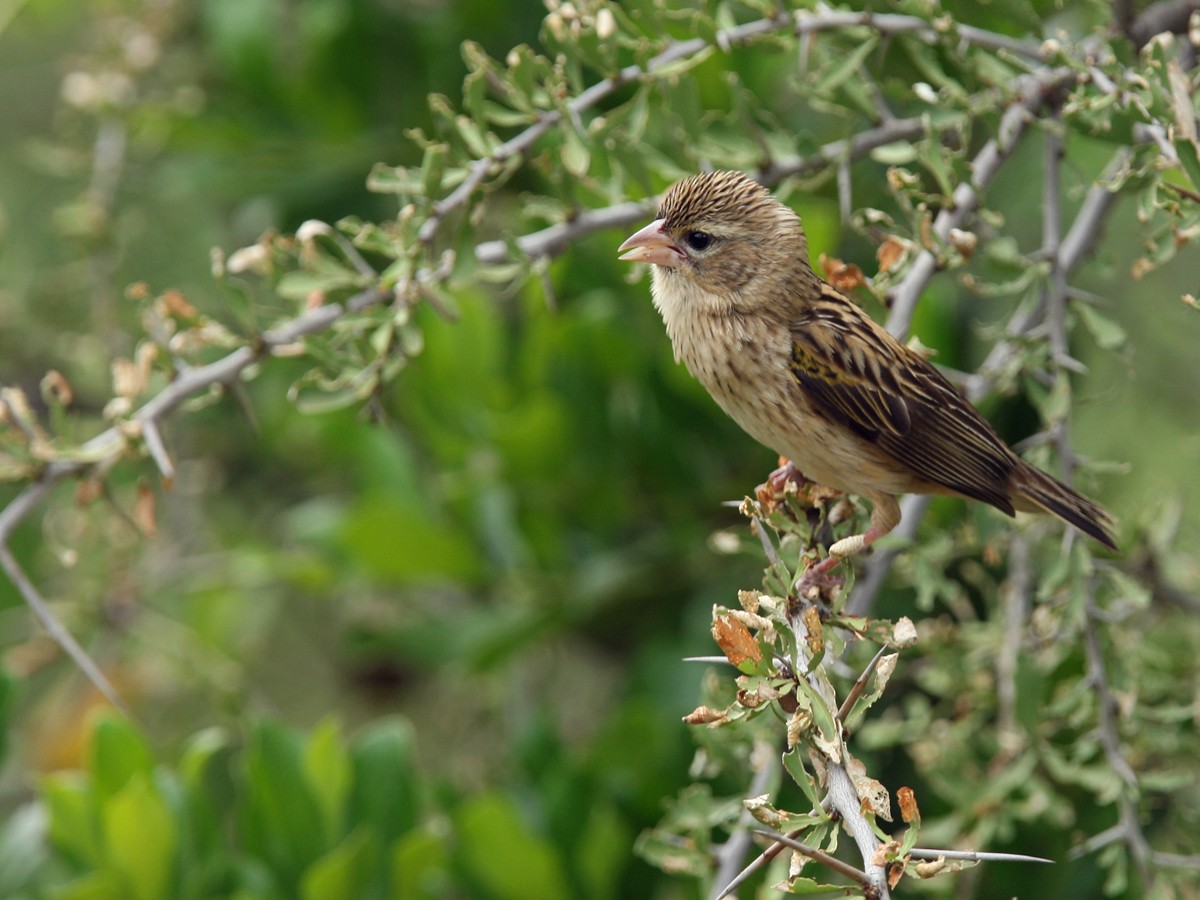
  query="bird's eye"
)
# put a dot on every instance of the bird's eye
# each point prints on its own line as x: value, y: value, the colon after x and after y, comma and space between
x: 698, y: 240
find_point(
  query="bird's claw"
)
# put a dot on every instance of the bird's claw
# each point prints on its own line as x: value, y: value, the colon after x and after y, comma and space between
x: 817, y: 583
x: 772, y: 490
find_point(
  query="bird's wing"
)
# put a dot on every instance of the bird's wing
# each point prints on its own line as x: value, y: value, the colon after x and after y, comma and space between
x: 889, y: 395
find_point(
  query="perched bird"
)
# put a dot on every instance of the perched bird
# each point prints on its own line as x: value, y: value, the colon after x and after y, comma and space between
x: 803, y: 370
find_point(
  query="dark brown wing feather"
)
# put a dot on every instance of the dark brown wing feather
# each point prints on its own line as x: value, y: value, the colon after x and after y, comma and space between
x: 891, y: 396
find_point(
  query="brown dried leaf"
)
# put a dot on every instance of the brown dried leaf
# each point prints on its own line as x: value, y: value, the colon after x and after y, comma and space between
x: 735, y: 640
x: 930, y: 868
x: 884, y: 853
x: 813, y: 635
x: 890, y: 252
x: 871, y: 793
x: 896, y: 871
x: 56, y: 389
x: 173, y: 303
x: 907, y: 801
x: 88, y: 491
x: 845, y: 277
x: 705, y: 715
x: 145, y: 510
x: 963, y: 241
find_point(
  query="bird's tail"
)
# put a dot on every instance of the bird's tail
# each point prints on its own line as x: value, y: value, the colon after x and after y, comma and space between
x: 1035, y: 491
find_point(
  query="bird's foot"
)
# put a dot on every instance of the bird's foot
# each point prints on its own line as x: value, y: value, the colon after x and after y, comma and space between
x: 771, y: 491
x: 818, y: 583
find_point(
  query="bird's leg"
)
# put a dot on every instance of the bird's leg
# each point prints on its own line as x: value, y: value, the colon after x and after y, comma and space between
x: 885, y: 515
x: 778, y: 479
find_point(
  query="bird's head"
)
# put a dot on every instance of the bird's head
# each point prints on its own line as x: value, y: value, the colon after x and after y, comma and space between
x: 723, y: 236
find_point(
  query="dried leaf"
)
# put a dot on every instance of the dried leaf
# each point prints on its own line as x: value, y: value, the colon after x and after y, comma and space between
x: 56, y: 390
x: 907, y: 801
x: 735, y: 640
x: 963, y: 241
x: 931, y: 868
x: 705, y: 715
x: 813, y: 635
x: 871, y: 793
x: 890, y: 252
x: 845, y: 277
x: 145, y: 510
x: 905, y: 632
x: 896, y: 871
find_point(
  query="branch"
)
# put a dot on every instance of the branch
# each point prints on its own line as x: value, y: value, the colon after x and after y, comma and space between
x: 54, y: 628
x: 555, y: 239
x: 1033, y: 91
x: 1128, y: 829
x: 104, y: 449
x: 801, y: 23
x: 841, y: 795
x: 830, y: 862
x: 1169, y: 15
x: 729, y: 857
x: 1017, y: 601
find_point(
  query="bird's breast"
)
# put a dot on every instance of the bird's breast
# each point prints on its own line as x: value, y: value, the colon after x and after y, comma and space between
x: 744, y: 361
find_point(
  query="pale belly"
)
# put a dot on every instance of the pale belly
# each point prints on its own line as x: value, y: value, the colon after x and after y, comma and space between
x: 775, y: 414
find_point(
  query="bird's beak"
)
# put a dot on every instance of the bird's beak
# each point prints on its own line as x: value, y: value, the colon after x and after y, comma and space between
x: 651, y: 245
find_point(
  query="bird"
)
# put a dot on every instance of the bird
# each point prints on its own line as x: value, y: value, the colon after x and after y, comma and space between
x: 806, y: 372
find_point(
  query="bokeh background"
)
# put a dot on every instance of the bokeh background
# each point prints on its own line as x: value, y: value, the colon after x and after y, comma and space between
x: 513, y: 549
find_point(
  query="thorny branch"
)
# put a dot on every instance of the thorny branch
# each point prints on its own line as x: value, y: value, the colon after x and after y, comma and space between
x: 1129, y: 828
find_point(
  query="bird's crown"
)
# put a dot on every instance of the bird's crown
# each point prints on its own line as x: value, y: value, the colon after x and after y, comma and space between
x: 719, y: 197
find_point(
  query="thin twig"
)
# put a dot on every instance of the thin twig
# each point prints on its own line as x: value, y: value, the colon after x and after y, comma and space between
x: 875, y: 573
x: 1128, y: 828
x: 976, y: 855
x: 830, y: 862
x: 1017, y: 601
x: 554, y: 239
x: 859, y: 685
x: 733, y: 851
x: 1169, y: 15
x: 1032, y: 92
x: 158, y: 452
x: 41, y: 610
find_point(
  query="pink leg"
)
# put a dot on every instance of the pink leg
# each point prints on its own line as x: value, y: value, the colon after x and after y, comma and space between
x: 885, y: 515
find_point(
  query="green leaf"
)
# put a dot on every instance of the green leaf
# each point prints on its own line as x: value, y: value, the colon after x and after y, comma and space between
x: 345, y: 871
x: 385, y: 792
x: 822, y: 716
x: 793, y: 764
x: 74, y: 821
x: 328, y: 768
x: 140, y: 838
x: 575, y: 156
x: 664, y: 849
x: 807, y: 887
x: 847, y: 66
x: 95, y: 886
x: 601, y: 851
x: 504, y: 856
x: 417, y: 858
x: 1189, y: 159
x: 1109, y: 335
x: 118, y: 753
x: 282, y: 821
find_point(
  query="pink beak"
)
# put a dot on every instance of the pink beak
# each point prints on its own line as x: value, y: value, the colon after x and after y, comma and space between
x: 651, y: 245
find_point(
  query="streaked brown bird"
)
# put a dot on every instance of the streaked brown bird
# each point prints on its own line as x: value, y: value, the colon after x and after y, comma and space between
x: 803, y: 370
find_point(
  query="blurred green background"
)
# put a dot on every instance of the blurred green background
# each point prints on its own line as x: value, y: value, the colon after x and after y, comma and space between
x: 512, y: 551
